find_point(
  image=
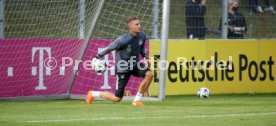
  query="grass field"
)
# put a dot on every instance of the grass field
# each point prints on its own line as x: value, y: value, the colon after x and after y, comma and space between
x: 226, y: 110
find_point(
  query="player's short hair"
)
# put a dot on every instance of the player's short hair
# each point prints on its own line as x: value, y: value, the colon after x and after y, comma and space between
x: 132, y: 18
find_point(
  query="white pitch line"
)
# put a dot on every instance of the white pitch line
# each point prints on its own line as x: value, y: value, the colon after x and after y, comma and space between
x: 151, y: 117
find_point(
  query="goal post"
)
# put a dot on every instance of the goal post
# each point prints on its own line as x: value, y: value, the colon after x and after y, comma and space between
x: 99, y: 7
x: 2, y: 5
x: 164, y: 48
x: 49, y: 45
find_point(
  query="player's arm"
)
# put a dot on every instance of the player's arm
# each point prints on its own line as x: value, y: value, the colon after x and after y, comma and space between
x: 109, y: 48
x: 143, y: 52
x: 113, y: 46
x: 143, y: 48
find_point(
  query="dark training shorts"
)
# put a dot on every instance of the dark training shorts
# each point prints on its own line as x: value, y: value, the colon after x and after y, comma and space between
x: 122, y: 79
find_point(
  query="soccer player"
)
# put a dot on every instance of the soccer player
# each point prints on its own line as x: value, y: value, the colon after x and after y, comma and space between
x: 128, y: 47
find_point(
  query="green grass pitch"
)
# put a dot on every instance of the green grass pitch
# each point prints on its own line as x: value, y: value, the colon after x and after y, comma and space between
x: 218, y: 110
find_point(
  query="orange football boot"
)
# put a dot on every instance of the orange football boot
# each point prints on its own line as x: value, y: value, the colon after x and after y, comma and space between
x: 137, y: 103
x: 89, y: 98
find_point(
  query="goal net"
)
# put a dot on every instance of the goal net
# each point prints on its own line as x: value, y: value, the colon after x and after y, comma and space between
x: 49, y: 45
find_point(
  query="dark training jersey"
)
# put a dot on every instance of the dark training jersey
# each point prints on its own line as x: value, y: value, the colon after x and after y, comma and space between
x: 127, y: 48
x: 235, y: 20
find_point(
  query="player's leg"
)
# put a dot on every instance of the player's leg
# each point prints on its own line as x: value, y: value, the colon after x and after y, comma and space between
x: 142, y: 71
x: 102, y: 94
x: 144, y: 85
x: 110, y: 96
x: 121, y: 82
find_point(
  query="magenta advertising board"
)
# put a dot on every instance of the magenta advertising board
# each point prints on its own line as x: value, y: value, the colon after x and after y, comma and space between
x: 38, y: 67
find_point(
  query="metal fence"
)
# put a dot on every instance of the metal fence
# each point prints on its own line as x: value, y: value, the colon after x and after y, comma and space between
x: 259, y: 25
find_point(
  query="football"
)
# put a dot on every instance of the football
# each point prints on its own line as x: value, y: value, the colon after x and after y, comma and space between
x: 99, y: 65
x: 203, y: 92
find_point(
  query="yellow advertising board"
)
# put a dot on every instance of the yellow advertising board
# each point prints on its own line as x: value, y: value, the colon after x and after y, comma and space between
x: 224, y: 66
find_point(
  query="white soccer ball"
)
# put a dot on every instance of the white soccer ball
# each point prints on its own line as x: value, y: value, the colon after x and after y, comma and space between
x: 99, y: 65
x: 203, y: 92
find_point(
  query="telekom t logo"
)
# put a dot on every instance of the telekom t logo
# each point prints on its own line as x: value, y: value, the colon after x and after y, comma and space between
x: 42, y: 65
x: 112, y: 70
x: 40, y: 51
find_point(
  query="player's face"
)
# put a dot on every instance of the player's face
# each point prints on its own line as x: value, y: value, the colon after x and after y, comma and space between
x: 134, y: 26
